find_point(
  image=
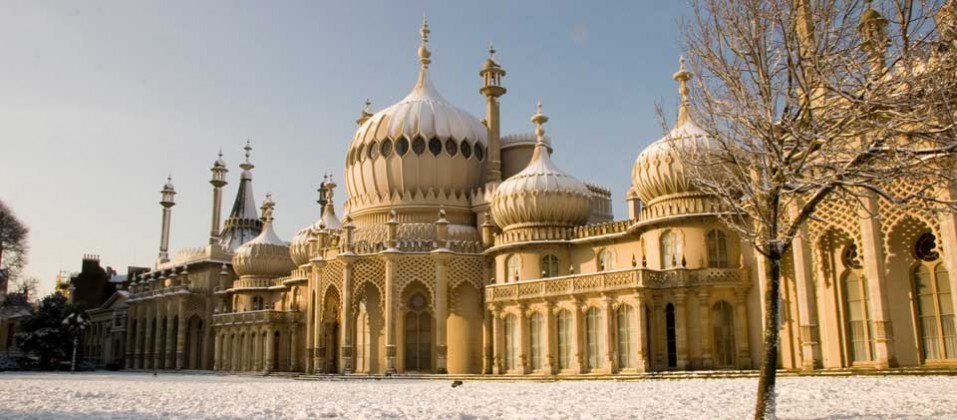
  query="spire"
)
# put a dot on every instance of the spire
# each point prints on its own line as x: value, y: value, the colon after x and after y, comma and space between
x: 365, y: 113
x: 329, y: 208
x: 247, y: 165
x: 539, y: 119
x: 682, y: 76
x: 424, y: 53
x: 243, y: 223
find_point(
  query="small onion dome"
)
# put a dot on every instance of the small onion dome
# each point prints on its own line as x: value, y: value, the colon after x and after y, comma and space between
x: 658, y: 173
x: 266, y: 255
x: 541, y: 194
x: 299, y: 247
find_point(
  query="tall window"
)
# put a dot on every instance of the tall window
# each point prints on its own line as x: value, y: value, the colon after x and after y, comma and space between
x: 858, y: 317
x: 593, y: 338
x: 418, y: 335
x: 513, y: 265
x: 670, y: 255
x: 935, y: 308
x: 606, y: 260
x: 722, y: 322
x: 537, y: 339
x: 671, y: 335
x: 626, y: 337
x: 717, y: 249
x: 511, y: 342
x: 564, y: 327
x: 362, y: 339
x: 549, y: 266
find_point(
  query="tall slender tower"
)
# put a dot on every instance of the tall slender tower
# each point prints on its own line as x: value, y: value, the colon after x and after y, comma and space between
x: 492, y: 89
x: 167, y: 202
x: 218, y: 181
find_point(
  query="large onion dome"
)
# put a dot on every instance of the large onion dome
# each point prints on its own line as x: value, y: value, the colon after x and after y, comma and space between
x: 659, y: 177
x: 265, y: 255
x: 421, y: 152
x: 541, y: 195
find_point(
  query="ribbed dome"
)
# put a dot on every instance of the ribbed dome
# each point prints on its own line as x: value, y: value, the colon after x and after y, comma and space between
x: 421, y: 149
x: 299, y: 247
x: 658, y: 171
x: 541, y: 194
x: 265, y: 255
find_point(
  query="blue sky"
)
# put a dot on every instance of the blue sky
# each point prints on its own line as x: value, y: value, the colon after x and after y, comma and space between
x: 99, y: 100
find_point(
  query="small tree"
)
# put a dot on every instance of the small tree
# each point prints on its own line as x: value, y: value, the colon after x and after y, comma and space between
x: 812, y: 101
x: 75, y: 323
x: 13, y: 242
x: 43, y: 334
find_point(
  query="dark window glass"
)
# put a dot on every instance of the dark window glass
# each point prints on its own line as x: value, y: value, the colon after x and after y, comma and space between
x: 451, y: 147
x: 386, y: 148
x: 435, y: 146
x: 926, y: 247
x: 402, y: 146
x: 479, y: 152
x: 466, y: 149
x: 418, y: 146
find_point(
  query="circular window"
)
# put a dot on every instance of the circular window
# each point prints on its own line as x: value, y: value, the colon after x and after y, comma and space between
x: 850, y: 257
x: 418, y: 146
x: 451, y: 147
x: 417, y: 302
x: 386, y: 148
x: 926, y: 247
x: 466, y: 149
x: 402, y: 146
x: 373, y: 150
x: 435, y: 146
x: 479, y: 152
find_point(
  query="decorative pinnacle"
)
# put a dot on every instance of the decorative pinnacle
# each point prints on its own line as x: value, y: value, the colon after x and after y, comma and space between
x: 682, y: 76
x: 267, y: 208
x: 367, y: 106
x: 539, y: 119
x: 491, y: 50
x: 424, y: 53
x: 247, y: 165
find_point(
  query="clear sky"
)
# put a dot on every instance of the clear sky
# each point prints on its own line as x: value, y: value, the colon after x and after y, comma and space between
x: 99, y: 100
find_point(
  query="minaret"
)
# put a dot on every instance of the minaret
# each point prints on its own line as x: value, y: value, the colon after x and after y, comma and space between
x: 365, y: 113
x: 167, y: 202
x: 218, y: 181
x: 492, y: 89
x: 873, y: 29
x: 328, y: 206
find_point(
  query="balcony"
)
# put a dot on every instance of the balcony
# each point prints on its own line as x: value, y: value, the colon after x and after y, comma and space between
x: 629, y: 279
x: 267, y: 316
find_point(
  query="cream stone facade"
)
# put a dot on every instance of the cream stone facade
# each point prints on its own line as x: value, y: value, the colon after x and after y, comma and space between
x: 465, y: 251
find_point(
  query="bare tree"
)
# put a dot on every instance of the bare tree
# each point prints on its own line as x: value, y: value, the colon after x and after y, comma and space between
x: 806, y: 102
x: 13, y: 242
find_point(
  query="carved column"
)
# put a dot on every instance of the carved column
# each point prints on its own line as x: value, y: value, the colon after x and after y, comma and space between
x: 146, y: 356
x: 874, y: 272
x: 641, y: 325
x: 131, y: 319
x: 810, y: 338
x: 181, y: 336
x: 488, y: 339
x: 293, y: 346
x: 440, y: 257
x: 498, y: 340
x: 741, y: 328
x: 551, y: 341
x: 947, y: 242
x: 524, y: 340
x: 660, y: 340
x: 681, y: 329
x: 578, y: 364
x: 608, y: 306
x: 390, y: 346
x: 171, y: 345
x: 158, y: 345
x: 270, y: 351
x: 217, y: 358
x: 347, y: 320
x: 705, y: 335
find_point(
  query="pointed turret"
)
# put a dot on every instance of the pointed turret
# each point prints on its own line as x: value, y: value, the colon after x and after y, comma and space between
x: 492, y: 89
x: 243, y: 224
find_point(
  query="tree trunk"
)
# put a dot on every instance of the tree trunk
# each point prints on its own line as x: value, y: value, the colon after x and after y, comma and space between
x: 766, y: 401
x: 73, y: 363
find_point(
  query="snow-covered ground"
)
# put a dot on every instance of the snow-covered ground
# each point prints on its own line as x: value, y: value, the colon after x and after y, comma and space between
x: 132, y: 395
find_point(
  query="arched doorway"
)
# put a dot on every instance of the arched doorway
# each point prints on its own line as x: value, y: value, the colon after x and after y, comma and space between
x: 671, y: 336
x: 722, y: 321
x: 418, y: 335
x: 194, y: 343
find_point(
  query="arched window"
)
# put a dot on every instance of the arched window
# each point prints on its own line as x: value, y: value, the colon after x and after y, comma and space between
x: 593, y: 338
x: 671, y: 336
x: 626, y: 337
x: 418, y: 145
x: 860, y: 330
x: 513, y: 266
x: 564, y: 327
x: 451, y: 147
x: 373, y: 150
x: 537, y: 338
x: 549, y: 266
x: 386, y: 148
x: 401, y: 146
x: 606, y: 260
x: 935, y: 307
x: 717, y: 249
x: 466, y: 149
x: 511, y: 343
x: 670, y: 251
x: 418, y: 335
x: 722, y: 322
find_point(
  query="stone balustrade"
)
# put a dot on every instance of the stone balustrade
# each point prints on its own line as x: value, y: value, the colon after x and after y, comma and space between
x: 266, y: 316
x: 633, y: 278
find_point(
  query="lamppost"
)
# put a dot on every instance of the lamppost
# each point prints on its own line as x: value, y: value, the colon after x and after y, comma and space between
x: 75, y: 324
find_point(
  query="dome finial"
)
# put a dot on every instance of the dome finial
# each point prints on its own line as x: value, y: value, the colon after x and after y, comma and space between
x: 491, y: 50
x: 424, y: 53
x: 539, y: 119
x: 247, y: 165
x: 682, y: 76
x: 267, y: 208
x: 366, y: 112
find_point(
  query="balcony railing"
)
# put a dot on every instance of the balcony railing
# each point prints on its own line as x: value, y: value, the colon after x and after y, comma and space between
x: 614, y: 280
x: 267, y: 316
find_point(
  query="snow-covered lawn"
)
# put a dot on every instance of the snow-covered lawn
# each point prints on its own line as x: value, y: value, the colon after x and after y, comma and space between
x: 133, y: 395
